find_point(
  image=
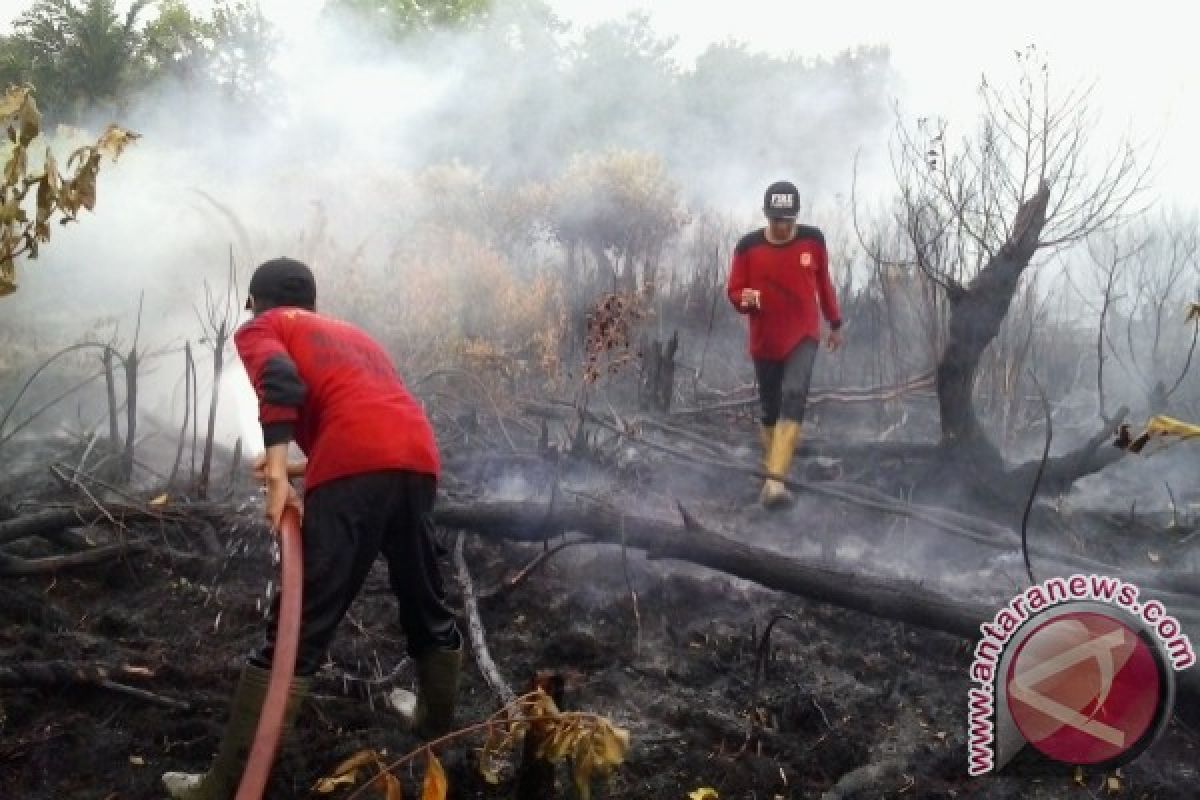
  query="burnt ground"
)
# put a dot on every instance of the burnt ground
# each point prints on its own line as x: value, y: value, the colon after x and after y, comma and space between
x: 850, y: 706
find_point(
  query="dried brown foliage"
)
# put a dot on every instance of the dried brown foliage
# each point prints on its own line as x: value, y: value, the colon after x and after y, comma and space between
x: 54, y: 193
x: 611, y: 325
x: 589, y: 743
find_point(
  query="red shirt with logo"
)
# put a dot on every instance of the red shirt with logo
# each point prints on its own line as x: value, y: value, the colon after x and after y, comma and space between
x: 795, y: 290
x: 348, y: 407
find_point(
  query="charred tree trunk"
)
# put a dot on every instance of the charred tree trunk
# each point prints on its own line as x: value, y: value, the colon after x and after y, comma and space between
x: 110, y: 384
x: 195, y: 412
x: 187, y: 408
x: 131, y: 378
x: 657, y: 385
x: 605, y: 268
x: 222, y: 334
x: 976, y: 313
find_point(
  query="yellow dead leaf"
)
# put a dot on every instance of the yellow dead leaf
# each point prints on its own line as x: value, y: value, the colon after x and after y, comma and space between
x: 490, y: 774
x: 360, y: 759
x: 30, y: 120
x: 435, y: 785
x: 581, y: 772
x: 17, y: 166
x: 489, y: 767
x: 610, y: 744
x: 161, y: 500
x: 46, y: 197
x: 563, y: 739
x: 9, y: 212
x: 330, y: 785
x: 50, y: 168
x: 12, y: 101
x: 703, y: 793
x: 8, y: 284
x: 1169, y: 426
x: 115, y: 139
x: 393, y: 790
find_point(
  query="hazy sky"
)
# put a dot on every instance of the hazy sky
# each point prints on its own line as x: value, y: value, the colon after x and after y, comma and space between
x: 1141, y: 55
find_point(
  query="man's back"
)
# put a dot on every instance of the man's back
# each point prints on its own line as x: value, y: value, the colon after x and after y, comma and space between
x: 351, y: 412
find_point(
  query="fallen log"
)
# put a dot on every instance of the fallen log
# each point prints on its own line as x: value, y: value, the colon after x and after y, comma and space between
x: 50, y: 522
x: 483, y: 657
x: 920, y: 384
x: 14, y: 566
x: 890, y: 598
x: 57, y: 674
x: 41, y: 522
x: 981, y: 531
x: 884, y: 597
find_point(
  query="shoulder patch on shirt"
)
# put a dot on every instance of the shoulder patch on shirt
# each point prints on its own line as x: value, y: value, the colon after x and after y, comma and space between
x: 809, y: 232
x: 806, y: 259
x: 750, y: 241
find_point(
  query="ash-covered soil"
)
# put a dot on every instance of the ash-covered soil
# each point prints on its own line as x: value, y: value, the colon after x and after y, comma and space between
x: 848, y: 707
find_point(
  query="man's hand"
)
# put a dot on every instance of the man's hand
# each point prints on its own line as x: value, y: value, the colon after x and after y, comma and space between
x: 273, y: 469
x: 295, y: 469
x: 280, y: 495
x: 834, y: 341
x: 751, y: 298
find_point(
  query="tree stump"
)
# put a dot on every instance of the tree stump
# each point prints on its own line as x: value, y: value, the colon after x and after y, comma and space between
x: 657, y: 385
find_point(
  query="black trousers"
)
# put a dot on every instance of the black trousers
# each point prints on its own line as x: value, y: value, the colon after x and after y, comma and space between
x: 347, y: 524
x: 783, y: 385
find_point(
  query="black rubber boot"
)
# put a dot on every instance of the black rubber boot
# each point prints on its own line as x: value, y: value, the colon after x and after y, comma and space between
x: 437, y: 691
x: 225, y: 772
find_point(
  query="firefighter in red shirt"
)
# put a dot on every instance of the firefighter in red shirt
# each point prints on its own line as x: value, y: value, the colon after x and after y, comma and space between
x: 370, y: 481
x: 780, y: 280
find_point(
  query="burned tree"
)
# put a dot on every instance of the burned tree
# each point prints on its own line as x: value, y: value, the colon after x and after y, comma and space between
x: 1147, y: 277
x: 217, y: 323
x: 622, y: 209
x: 977, y: 213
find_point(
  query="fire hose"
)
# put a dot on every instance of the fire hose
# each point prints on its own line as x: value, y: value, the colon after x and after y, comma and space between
x: 283, y: 663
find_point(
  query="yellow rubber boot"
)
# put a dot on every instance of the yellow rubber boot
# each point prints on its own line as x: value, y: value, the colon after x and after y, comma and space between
x: 779, y: 461
x: 766, y: 436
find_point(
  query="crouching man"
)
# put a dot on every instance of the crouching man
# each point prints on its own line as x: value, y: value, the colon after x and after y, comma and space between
x: 370, y: 481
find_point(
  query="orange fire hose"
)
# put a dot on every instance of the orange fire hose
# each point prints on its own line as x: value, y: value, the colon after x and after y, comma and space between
x: 283, y: 664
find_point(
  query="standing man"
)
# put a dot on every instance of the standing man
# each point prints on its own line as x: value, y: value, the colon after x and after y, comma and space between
x: 370, y: 480
x: 780, y: 280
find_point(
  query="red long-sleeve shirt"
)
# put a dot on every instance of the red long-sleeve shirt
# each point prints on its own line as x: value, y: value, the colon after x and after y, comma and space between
x: 795, y: 287
x: 336, y: 388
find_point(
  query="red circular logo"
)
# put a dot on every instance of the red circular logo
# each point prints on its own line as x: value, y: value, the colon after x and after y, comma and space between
x: 1084, y: 688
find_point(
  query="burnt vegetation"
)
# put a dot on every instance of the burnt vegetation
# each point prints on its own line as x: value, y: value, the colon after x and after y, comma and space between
x: 1013, y: 301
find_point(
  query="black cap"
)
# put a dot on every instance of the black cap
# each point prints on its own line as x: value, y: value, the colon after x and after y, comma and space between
x: 283, y: 282
x: 781, y: 201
